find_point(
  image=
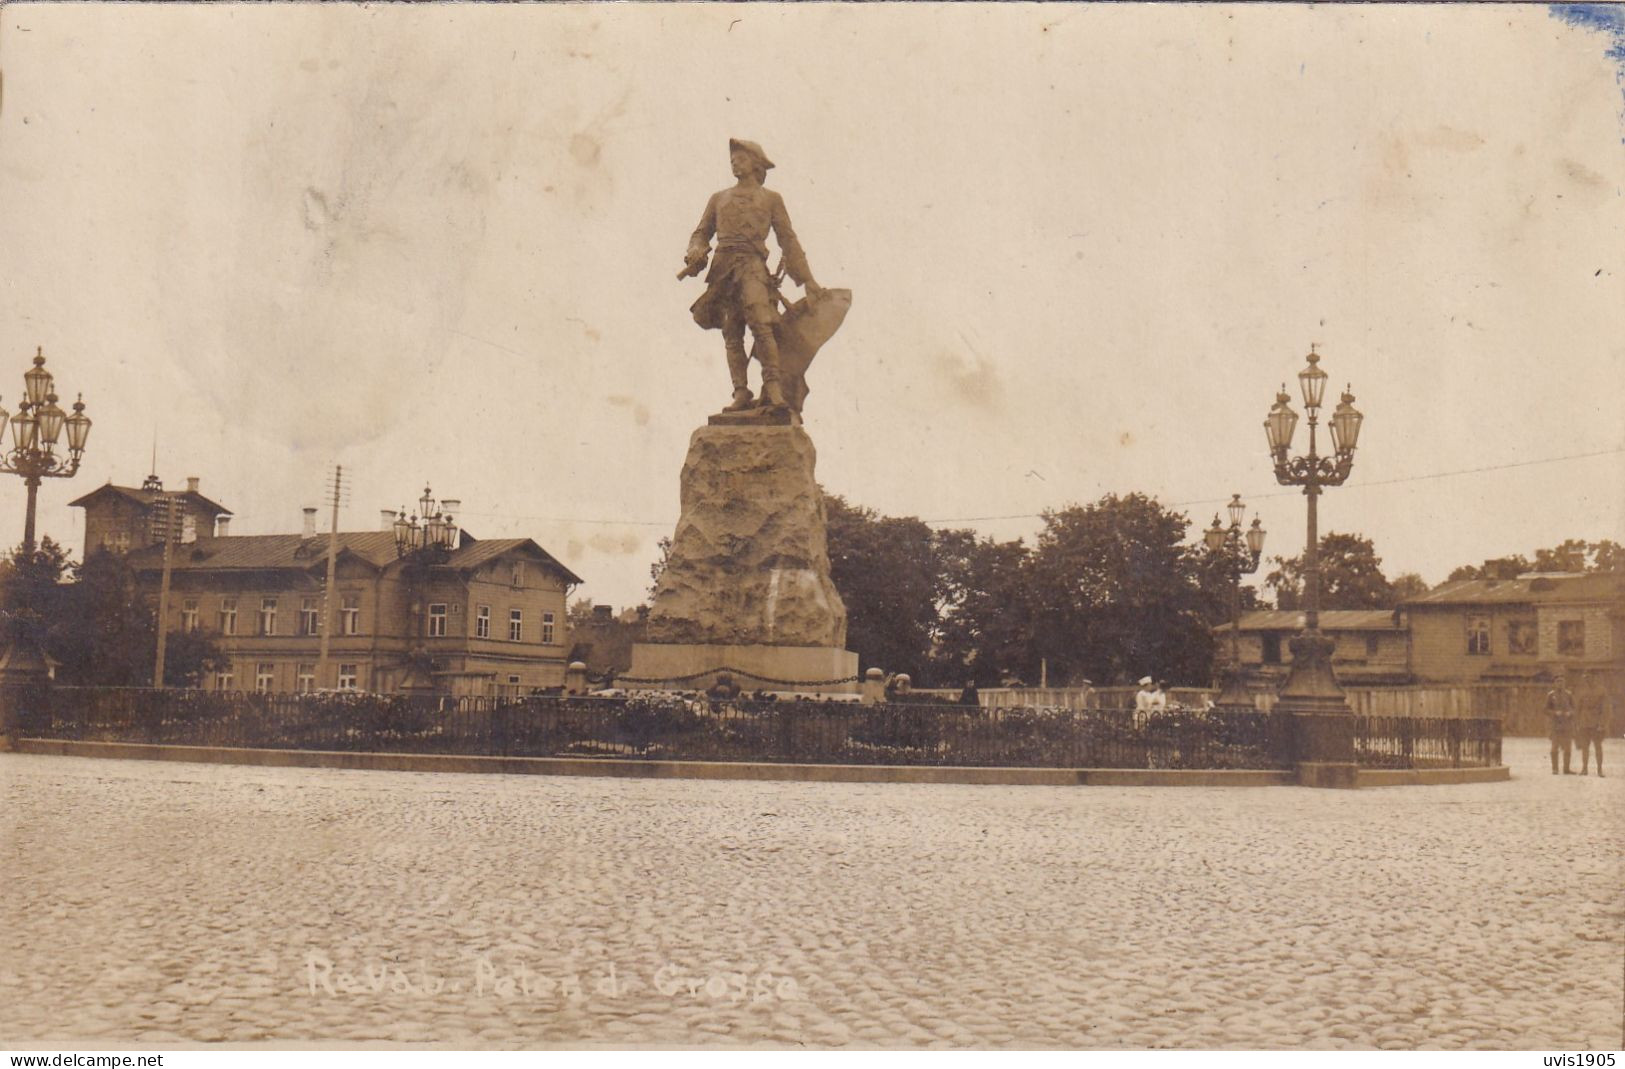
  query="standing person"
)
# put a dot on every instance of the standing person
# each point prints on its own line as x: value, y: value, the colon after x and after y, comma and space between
x: 1145, y: 695
x: 970, y: 695
x: 1560, y: 722
x: 1590, y: 721
x: 1159, y: 697
x: 740, y: 292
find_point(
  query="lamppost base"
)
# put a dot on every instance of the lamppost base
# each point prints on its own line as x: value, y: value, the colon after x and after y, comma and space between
x: 1234, y: 693
x: 1322, y: 723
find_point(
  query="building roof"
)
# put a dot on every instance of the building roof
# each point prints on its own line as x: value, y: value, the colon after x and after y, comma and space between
x: 473, y: 553
x: 1525, y: 590
x: 299, y: 553
x: 273, y: 552
x: 147, y: 498
x: 1330, y: 620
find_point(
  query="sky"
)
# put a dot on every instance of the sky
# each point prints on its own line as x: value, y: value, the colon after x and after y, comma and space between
x: 1086, y: 243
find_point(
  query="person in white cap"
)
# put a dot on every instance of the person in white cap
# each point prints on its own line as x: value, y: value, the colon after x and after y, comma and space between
x: 1144, y: 698
x: 740, y: 292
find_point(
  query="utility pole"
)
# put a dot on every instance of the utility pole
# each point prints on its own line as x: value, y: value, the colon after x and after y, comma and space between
x: 332, y: 573
x: 171, y: 522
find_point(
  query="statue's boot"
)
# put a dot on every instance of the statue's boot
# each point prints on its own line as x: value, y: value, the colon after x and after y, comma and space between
x: 737, y: 363
x: 767, y: 354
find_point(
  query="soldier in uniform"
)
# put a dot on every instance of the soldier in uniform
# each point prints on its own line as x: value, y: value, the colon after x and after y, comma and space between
x: 1560, y: 723
x: 1590, y: 722
x: 740, y: 292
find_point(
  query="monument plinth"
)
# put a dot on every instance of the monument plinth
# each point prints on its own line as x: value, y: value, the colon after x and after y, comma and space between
x: 746, y: 585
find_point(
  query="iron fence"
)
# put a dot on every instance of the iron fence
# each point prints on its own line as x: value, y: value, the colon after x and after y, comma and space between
x: 1427, y: 742
x: 664, y: 727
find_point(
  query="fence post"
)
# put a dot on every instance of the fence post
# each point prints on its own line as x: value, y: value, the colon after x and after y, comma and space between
x: 23, y: 671
x: 874, y: 686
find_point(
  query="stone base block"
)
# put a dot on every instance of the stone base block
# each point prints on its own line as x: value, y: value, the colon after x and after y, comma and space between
x: 754, y: 667
x: 1334, y: 774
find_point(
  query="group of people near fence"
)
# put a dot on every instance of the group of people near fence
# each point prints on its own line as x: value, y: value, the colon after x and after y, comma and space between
x: 1152, y: 697
x: 1577, y: 718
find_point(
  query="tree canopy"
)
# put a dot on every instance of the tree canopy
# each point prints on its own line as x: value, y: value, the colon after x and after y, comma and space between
x: 1570, y: 555
x: 1350, y: 576
x: 101, y: 627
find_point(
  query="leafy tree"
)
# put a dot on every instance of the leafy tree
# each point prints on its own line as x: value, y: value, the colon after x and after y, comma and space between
x: 110, y: 638
x: 1570, y: 555
x: 984, y: 612
x: 1577, y: 555
x: 883, y: 569
x: 189, y: 656
x: 658, y: 568
x: 579, y: 614
x: 1498, y: 568
x: 1607, y: 556
x: 31, y: 593
x: 1350, y: 576
x: 1409, y: 585
x: 1116, y: 594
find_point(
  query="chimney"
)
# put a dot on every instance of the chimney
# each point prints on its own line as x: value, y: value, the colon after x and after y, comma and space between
x: 310, y: 521
x: 450, y: 507
x: 386, y: 519
x: 222, y: 526
x: 191, y: 484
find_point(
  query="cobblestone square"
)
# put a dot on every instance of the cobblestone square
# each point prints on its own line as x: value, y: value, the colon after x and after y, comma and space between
x: 163, y: 903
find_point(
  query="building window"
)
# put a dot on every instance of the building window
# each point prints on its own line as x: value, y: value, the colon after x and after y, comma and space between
x: 518, y: 574
x: 513, y: 679
x: 310, y: 619
x: 482, y: 622
x: 224, y: 680
x: 264, y: 677
x: 547, y: 629
x: 1522, y: 637
x: 267, y: 616
x: 437, y: 620
x: 189, y: 615
x: 117, y: 541
x: 1571, y: 638
x: 1272, y: 649
x: 306, y: 681
x: 348, y: 676
x: 1372, y: 642
x: 1478, y: 635
x: 228, y: 616
x: 350, y: 610
x: 516, y: 625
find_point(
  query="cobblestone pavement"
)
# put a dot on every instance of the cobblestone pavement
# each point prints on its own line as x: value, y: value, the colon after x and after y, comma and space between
x: 161, y: 903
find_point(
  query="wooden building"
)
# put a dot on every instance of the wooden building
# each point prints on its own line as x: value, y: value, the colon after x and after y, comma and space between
x: 481, y: 617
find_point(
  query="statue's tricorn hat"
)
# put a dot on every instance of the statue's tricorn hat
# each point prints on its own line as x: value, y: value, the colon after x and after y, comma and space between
x: 753, y: 149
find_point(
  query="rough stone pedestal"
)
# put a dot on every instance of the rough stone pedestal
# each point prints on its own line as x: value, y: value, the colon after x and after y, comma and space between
x: 747, y: 584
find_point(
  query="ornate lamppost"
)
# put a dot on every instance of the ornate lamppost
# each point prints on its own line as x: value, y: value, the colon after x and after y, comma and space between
x: 1241, y: 554
x: 419, y: 547
x: 435, y: 537
x: 1310, y: 694
x: 36, y: 430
